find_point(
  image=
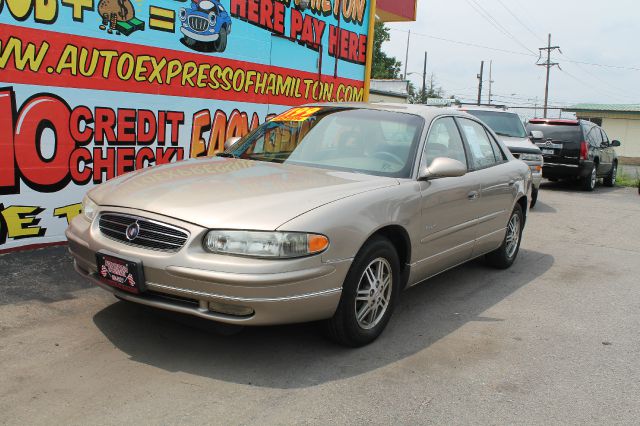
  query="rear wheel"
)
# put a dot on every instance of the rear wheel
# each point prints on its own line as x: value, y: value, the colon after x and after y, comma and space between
x: 589, y: 181
x: 611, y: 179
x: 221, y: 43
x: 506, y: 254
x: 534, y: 197
x: 369, y: 294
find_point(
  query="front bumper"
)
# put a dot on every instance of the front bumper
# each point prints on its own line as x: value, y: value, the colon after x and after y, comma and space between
x: 192, y: 281
x: 205, y: 38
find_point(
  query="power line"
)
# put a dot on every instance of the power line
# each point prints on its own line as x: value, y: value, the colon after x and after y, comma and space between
x: 520, y: 21
x: 494, y: 22
x: 465, y: 43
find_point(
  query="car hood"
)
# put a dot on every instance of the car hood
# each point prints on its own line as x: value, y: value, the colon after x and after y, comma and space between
x: 520, y: 144
x: 233, y: 193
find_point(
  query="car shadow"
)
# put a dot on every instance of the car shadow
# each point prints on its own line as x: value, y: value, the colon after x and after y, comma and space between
x: 298, y: 356
x: 45, y: 275
x: 574, y: 186
x: 542, y: 207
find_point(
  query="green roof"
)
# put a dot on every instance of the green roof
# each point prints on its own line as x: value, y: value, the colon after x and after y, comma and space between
x: 605, y: 107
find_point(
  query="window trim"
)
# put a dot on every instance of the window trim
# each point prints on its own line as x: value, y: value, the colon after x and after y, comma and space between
x: 466, y: 142
x: 422, y: 159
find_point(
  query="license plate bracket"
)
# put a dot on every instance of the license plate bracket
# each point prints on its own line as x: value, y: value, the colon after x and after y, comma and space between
x: 120, y: 273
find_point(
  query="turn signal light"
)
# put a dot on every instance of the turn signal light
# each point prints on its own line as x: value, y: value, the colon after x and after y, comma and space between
x: 584, y: 150
x: 317, y: 243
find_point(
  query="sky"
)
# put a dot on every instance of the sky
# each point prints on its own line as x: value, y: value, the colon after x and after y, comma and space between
x: 597, y: 32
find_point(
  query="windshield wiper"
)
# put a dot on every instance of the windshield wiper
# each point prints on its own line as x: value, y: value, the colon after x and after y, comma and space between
x: 505, y: 134
x: 226, y: 155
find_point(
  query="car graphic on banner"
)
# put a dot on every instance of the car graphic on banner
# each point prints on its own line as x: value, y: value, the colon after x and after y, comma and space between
x: 205, y: 25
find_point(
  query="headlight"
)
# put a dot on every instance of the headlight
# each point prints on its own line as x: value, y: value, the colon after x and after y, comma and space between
x: 282, y: 245
x: 89, y: 208
x: 183, y: 14
x: 212, y: 19
x: 531, y: 157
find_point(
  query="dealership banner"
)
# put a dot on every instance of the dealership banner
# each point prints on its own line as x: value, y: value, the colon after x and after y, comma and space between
x: 93, y: 89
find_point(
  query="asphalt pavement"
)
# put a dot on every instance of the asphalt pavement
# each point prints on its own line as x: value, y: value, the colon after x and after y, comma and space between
x: 553, y: 339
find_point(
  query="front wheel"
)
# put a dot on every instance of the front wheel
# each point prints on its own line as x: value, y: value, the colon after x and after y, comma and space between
x: 369, y: 294
x: 611, y: 179
x: 506, y: 254
x: 589, y: 181
x: 221, y: 43
x: 534, y: 197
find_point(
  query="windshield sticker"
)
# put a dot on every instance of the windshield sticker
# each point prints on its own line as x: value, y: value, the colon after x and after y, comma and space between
x: 297, y: 114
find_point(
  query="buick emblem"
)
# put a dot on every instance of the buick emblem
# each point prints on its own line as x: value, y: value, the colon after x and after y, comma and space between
x: 549, y: 143
x: 132, y: 231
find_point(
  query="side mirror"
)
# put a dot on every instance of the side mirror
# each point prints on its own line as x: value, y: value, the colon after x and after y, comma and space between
x: 443, y: 167
x: 230, y: 142
x: 537, y: 135
x: 615, y: 143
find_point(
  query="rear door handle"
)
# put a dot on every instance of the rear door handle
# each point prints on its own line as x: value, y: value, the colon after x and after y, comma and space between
x: 472, y: 195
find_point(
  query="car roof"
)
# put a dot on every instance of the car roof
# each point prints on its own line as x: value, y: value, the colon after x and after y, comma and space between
x: 555, y: 121
x: 424, y: 111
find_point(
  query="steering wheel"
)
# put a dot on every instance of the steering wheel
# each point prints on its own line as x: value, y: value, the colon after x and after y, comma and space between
x: 384, y: 155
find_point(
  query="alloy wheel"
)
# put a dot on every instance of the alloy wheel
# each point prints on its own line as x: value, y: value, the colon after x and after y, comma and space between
x: 513, y: 235
x: 374, y: 293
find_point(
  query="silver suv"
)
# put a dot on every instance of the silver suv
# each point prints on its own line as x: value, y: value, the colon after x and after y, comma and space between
x: 508, y: 126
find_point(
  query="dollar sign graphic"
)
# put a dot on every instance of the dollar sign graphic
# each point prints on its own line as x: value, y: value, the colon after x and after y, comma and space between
x: 123, y: 9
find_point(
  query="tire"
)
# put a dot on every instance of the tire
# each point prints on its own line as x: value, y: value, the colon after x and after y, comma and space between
x: 221, y: 43
x: 378, y: 254
x: 534, y: 197
x: 610, y: 180
x: 589, y: 182
x: 506, y: 254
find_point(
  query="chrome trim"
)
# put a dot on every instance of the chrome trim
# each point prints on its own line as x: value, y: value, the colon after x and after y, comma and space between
x: 175, y: 246
x: 243, y: 279
x: 546, y: 163
x: 152, y: 286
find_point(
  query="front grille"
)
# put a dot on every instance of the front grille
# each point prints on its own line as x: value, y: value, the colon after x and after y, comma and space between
x: 152, y: 235
x: 198, y: 23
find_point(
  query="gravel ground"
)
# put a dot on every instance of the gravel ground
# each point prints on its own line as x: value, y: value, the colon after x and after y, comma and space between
x: 554, y: 339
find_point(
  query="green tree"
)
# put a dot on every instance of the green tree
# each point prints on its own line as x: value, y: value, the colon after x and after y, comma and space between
x: 383, y: 66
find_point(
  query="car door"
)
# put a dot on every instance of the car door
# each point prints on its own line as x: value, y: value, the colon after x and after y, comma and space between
x: 594, y: 139
x: 491, y: 170
x: 607, y: 153
x: 448, y: 206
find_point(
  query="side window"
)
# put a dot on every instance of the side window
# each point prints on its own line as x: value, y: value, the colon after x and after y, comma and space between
x: 497, y: 152
x: 444, y: 141
x: 482, y: 154
x: 605, y: 138
x: 594, y: 137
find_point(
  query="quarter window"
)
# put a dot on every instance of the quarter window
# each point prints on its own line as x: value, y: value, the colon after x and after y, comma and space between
x: 444, y: 141
x: 482, y: 152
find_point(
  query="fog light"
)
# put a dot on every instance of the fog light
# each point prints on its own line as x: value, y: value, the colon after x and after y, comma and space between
x: 236, y: 310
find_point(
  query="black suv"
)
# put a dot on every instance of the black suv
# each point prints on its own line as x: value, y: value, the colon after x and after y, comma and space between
x: 575, y: 149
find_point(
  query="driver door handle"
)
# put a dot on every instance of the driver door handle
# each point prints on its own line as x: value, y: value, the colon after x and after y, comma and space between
x: 472, y: 195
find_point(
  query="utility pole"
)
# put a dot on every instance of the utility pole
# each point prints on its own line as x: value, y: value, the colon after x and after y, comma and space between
x: 490, y: 80
x: 423, y: 98
x: 406, y: 57
x: 480, y: 82
x: 548, y: 64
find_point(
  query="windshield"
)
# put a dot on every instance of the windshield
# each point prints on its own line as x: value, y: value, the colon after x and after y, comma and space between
x: 503, y: 123
x: 359, y: 140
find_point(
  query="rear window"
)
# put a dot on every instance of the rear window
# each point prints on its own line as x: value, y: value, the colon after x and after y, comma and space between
x: 557, y: 132
x: 502, y: 123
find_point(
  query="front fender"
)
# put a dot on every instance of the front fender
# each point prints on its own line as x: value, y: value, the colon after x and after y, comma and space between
x: 349, y: 222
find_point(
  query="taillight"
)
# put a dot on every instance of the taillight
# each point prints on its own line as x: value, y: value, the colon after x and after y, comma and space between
x: 584, y: 150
